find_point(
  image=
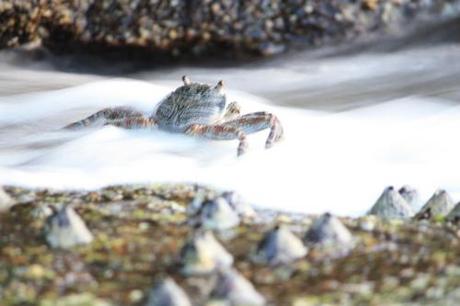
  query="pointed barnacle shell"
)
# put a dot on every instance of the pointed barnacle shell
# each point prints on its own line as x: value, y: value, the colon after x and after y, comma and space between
x: 391, y: 205
x: 203, y: 254
x: 411, y: 196
x: 217, y: 215
x: 328, y: 232
x: 279, y: 246
x: 234, y: 289
x: 454, y: 215
x: 242, y: 208
x: 168, y: 293
x: 440, y: 204
x: 5, y: 200
x: 65, y: 229
x: 42, y: 212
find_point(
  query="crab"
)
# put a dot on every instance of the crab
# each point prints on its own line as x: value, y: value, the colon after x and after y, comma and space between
x: 194, y: 109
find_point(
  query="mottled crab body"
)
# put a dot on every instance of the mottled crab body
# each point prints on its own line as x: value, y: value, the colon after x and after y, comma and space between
x: 194, y: 109
x: 190, y: 104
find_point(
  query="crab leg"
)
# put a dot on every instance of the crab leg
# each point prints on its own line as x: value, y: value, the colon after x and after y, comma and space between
x: 219, y: 132
x: 107, y: 114
x: 133, y: 122
x: 256, y: 122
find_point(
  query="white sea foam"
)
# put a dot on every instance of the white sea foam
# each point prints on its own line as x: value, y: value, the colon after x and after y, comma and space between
x: 327, y: 162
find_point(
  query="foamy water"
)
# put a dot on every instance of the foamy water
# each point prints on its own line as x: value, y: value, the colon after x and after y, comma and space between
x: 400, y: 126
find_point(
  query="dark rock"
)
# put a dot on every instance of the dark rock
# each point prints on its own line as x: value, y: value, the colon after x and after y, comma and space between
x: 200, y: 27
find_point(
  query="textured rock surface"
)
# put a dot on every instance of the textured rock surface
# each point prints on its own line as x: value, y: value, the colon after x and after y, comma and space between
x: 198, y: 27
x: 139, y: 232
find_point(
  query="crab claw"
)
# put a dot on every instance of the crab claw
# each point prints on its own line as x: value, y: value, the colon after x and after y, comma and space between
x: 186, y: 80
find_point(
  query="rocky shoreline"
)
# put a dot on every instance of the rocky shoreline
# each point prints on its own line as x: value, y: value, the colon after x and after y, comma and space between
x: 192, y: 245
x: 202, y: 27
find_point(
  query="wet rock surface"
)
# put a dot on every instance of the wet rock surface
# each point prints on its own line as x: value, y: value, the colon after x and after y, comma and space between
x: 139, y: 232
x: 199, y: 27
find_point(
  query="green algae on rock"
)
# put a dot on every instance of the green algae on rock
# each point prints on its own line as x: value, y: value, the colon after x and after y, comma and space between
x: 139, y: 232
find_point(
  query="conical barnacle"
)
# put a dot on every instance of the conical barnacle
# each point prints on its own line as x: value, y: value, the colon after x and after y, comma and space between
x: 454, y: 215
x: 217, y: 214
x: 65, y: 229
x: 42, y: 211
x: 411, y: 196
x: 5, y: 200
x: 242, y: 208
x: 279, y: 246
x: 168, y: 293
x: 328, y: 232
x: 234, y: 289
x: 440, y: 204
x: 391, y: 205
x: 203, y: 254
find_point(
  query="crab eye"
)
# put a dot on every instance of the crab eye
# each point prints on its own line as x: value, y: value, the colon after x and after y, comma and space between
x: 186, y: 80
x: 220, y: 87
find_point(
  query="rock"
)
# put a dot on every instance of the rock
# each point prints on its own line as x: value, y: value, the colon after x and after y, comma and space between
x: 5, y: 200
x: 65, y: 229
x: 168, y: 293
x: 279, y: 246
x: 391, y: 205
x: 235, y: 290
x: 411, y: 196
x: 328, y: 233
x: 201, y: 27
x: 217, y: 214
x: 440, y: 204
x: 203, y: 254
x: 454, y: 215
x: 242, y: 208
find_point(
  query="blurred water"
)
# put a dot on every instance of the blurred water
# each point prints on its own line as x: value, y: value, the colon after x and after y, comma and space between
x: 355, y: 122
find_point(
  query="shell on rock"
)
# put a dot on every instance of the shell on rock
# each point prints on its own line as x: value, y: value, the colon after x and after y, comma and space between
x: 391, y: 205
x: 217, y: 214
x: 65, y: 229
x: 411, y: 196
x: 328, y: 232
x: 235, y: 289
x: 454, y: 215
x: 242, y: 208
x: 168, y: 293
x: 202, y: 254
x: 440, y: 204
x: 5, y: 200
x: 279, y: 246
